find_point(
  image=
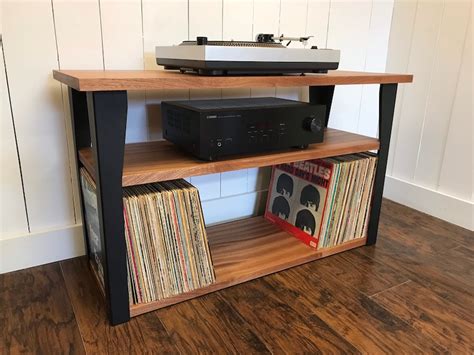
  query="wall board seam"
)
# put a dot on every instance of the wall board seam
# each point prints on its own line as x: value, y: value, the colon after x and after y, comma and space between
x: 306, y: 19
x: 279, y: 20
x: 430, y: 84
x: 7, y: 83
x: 143, y: 41
x: 327, y: 25
x: 222, y: 24
x: 69, y: 145
x: 365, y: 66
x: 101, y: 34
x: 445, y: 138
x: 394, y: 143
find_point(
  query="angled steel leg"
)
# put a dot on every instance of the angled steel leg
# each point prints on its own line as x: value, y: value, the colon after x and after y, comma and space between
x: 387, y: 96
x: 82, y: 139
x: 107, y: 113
x: 322, y: 95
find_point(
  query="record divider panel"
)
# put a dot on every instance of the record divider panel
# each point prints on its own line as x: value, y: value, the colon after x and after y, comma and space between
x: 99, y: 122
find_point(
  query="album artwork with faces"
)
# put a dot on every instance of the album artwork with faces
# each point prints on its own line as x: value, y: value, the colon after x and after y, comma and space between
x: 297, y: 198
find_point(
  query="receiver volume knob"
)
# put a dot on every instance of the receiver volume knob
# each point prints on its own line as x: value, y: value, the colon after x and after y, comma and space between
x: 313, y: 124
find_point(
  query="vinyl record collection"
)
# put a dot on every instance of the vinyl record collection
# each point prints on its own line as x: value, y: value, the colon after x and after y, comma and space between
x: 349, y: 199
x: 167, y: 248
x: 323, y: 202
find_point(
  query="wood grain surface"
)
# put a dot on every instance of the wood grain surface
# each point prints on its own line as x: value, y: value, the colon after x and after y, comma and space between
x: 36, y: 316
x: 410, y: 293
x: 134, y: 337
x: 189, y: 326
x: 109, y: 80
x: 284, y: 328
x: 248, y: 249
x: 162, y: 160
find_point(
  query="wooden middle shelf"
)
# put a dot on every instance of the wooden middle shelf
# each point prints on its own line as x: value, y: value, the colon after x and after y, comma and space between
x: 248, y: 249
x: 160, y: 161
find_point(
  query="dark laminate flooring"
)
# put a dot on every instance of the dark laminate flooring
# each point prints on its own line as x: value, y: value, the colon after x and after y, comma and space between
x: 411, y: 293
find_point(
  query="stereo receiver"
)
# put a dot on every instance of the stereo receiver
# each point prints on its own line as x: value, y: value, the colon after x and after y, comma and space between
x: 211, y: 129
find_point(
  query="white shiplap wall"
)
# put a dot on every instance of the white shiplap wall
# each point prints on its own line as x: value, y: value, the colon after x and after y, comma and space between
x: 39, y: 208
x: 12, y: 206
x: 431, y: 164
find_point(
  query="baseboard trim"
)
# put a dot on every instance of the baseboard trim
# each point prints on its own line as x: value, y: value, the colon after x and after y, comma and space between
x: 35, y: 249
x: 432, y: 202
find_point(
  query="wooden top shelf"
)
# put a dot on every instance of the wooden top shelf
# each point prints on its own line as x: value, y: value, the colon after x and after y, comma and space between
x: 160, y: 161
x: 110, y: 80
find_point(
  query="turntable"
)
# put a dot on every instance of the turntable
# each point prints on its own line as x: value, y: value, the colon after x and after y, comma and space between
x: 267, y: 55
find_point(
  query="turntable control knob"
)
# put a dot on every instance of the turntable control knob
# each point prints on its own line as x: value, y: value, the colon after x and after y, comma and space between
x: 200, y: 41
x: 313, y: 124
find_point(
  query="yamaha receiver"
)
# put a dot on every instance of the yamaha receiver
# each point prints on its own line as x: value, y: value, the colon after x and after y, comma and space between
x: 210, y: 129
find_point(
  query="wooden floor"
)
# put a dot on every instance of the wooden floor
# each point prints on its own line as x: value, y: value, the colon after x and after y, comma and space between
x: 411, y: 293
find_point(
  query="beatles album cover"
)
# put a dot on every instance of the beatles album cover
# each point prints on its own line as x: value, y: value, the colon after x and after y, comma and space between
x: 297, y: 198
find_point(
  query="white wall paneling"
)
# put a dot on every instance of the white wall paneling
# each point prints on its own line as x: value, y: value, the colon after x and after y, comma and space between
x: 122, y: 34
x: 78, y: 33
x: 76, y: 48
x: 237, y: 20
x: 205, y: 18
x: 403, y: 19
x: 37, y: 112
x: 442, y: 91
x: 317, y: 20
x: 164, y: 23
x: 375, y: 61
x: 421, y: 61
x: 237, y: 24
x: 266, y: 19
x: 293, y: 17
x: 431, y: 150
x: 456, y: 175
x: 13, y: 219
x: 122, y: 38
x: 349, y: 24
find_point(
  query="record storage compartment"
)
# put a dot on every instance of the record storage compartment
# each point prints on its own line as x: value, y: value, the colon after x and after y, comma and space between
x: 242, y: 250
x: 245, y: 249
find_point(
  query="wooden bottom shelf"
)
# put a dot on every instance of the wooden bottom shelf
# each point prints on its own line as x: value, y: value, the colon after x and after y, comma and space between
x: 248, y: 249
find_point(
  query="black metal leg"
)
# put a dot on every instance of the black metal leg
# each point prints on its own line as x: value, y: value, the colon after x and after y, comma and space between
x: 107, y: 120
x: 82, y: 139
x: 322, y: 95
x: 387, y: 96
